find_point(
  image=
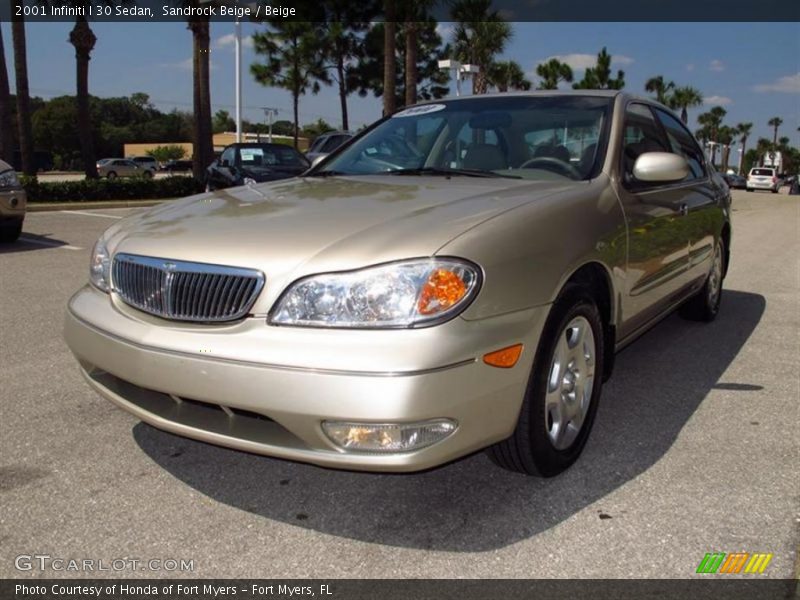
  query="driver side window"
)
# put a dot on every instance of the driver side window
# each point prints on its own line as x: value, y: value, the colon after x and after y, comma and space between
x: 228, y: 157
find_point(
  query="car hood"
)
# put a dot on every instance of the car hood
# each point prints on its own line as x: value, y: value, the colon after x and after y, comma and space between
x: 266, y: 173
x: 296, y: 227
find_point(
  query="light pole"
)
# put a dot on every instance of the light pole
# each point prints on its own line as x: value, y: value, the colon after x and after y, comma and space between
x: 458, y: 71
x: 741, y: 157
x: 269, y: 113
x: 238, y: 52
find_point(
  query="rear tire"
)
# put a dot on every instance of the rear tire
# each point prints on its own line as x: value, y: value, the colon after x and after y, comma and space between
x: 147, y: 174
x: 111, y: 175
x: 10, y: 233
x: 704, y: 305
x: 563, y: 391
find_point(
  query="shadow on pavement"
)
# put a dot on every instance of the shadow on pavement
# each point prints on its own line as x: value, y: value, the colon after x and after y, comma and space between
x: 31, y: 241
x: 471, y: 505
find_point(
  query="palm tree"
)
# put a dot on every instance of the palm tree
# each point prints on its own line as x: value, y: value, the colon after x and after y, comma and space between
x: 508, y: 75
x: 23, y: 96
x: 480, y: 35
x: 775, y: 122
x: 552, y: 72
x: 294, y: 60
x: 744, y: 129
x: 711, y: 122
x: 599, y: 76
x: 726, y: 136
x: 6, y: 140
x: 389, y: 51
x: 660, y: 87
x: 200, y: 26
x: 684, y: 98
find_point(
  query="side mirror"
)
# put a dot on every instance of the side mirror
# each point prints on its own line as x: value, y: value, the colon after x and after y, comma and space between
x: 660, y: 167
x: 318, y: 159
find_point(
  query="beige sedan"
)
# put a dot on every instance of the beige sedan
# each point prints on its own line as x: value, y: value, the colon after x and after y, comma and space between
x: 456, y: 278
x: 12, y: 204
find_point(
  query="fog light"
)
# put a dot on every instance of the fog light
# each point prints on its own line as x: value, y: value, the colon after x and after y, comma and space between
x: 387, y: 437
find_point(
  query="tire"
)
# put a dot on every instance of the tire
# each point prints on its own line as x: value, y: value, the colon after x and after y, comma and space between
x: 10, y: 233
x: 558, y: 383
x: 775, y: 190
x: 147, y: 174
x: 111, y: 175
x: 208, y: 187
x: 748, y: 189
x: 704, y: 305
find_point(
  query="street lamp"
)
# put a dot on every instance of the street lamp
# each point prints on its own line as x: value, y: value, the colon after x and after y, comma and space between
x: 458, y: 71
x: 238, y: 84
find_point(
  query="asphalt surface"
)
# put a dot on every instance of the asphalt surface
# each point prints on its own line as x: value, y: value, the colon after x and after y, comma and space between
x: 695, y: 449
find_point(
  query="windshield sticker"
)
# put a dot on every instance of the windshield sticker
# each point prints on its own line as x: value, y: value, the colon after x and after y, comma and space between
x: 415, y: 111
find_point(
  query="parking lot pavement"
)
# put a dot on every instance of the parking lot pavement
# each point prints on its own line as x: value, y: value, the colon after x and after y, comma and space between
x: 695, y: 450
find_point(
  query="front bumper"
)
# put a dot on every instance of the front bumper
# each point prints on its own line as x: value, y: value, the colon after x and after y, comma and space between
x: 12, y: 204
x: 267, y: 389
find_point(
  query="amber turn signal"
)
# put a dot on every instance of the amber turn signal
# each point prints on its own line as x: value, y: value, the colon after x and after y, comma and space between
x: 443, y: 289
x: 505, y: 358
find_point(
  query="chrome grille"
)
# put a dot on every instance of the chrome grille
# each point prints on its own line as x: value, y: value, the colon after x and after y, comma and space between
x: 185, y: 291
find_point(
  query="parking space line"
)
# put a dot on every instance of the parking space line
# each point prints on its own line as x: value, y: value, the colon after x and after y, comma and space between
x: 89, y: 214
x: 49, y: 244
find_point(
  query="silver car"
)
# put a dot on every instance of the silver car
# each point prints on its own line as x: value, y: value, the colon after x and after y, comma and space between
x: 459, y: 277
x: 12, y: 204
x: 111, y: 168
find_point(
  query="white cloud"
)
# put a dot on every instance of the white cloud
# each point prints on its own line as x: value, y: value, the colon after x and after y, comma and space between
x: 581, y: 62
x: 229, y: 39
x: 717, y: 101
x: 716, y: 65
x: 690, y: 67
x: 790, y: 84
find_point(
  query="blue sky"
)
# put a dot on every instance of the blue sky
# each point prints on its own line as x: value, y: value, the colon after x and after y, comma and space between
x: 753, y: 70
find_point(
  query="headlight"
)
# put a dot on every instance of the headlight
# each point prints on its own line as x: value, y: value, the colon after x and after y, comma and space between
x: 100, y: 266
x: 9, y: 179
x: 404, y: 294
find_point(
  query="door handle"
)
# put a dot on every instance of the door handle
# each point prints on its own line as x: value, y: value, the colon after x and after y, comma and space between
x: 683, y: 210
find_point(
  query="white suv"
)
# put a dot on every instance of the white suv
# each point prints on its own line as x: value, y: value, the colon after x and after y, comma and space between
x: 763, y: 178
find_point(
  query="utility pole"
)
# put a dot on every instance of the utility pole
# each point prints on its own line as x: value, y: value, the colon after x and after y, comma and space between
x: 238, y: 38
x: 270, y: 113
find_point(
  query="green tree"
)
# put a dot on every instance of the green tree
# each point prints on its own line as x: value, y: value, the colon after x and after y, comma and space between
x: 552, y: 72
x: 316, y: 129
x: 744, y: 129
x: 480, y: 35
x: 599, y: 76
x: 200, y: 27
x: 726, y: 136
x: 293, y: 60
x: 710, y: 123
x: 684, y: 98
x: 6, y: 138
x: 165, y: 153
x: 775, y: 122
x: 413, y: 12
x: 344, y: 26
x: 508, y: 75
x: 367, y: 76
x: 659, y: 87
x: 222, y: 122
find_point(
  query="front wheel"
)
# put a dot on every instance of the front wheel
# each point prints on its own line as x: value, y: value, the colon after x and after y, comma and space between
x: 111, y: 175
x: 563, y: 390
x: 704, y: 306
x: 147, y: 174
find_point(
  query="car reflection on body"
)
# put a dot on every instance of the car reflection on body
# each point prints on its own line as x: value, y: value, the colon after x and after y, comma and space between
x: 248, y: 163
x: 458, y: 277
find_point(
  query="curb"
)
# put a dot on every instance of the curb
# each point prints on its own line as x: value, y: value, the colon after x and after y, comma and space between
x: 56, y: 206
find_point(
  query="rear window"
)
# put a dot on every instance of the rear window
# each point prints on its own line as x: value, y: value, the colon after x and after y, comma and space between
x: 763, y: 172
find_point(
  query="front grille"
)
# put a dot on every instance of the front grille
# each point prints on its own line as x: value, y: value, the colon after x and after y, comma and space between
x: 185, y: 291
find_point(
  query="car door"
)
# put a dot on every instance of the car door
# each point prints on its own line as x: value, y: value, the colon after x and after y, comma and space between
x: 223, y: 173
x: 130, y: 168
x: 704, y: 219
x: 658, y: 245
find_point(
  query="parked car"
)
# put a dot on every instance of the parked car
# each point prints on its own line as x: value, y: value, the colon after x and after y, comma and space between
x: 327, y: 143
x: 146, y: 162
x: 176, y: 166
x: 111, y: 168
x: 735, y: 182
x: 247, y: 163
x: 12, y: 204
x: 763, y: 178
x: 438, y: 286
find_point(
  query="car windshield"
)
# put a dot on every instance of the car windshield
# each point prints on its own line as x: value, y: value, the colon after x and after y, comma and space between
x: 529, y: 137
x: 268, y: 156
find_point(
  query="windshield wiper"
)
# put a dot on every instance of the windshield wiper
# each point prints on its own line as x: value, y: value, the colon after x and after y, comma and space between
x: 449, y: 172
x: 325, y: 174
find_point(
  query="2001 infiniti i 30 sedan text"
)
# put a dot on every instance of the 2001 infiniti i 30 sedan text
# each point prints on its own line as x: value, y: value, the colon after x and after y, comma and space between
x: 458, y: 277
